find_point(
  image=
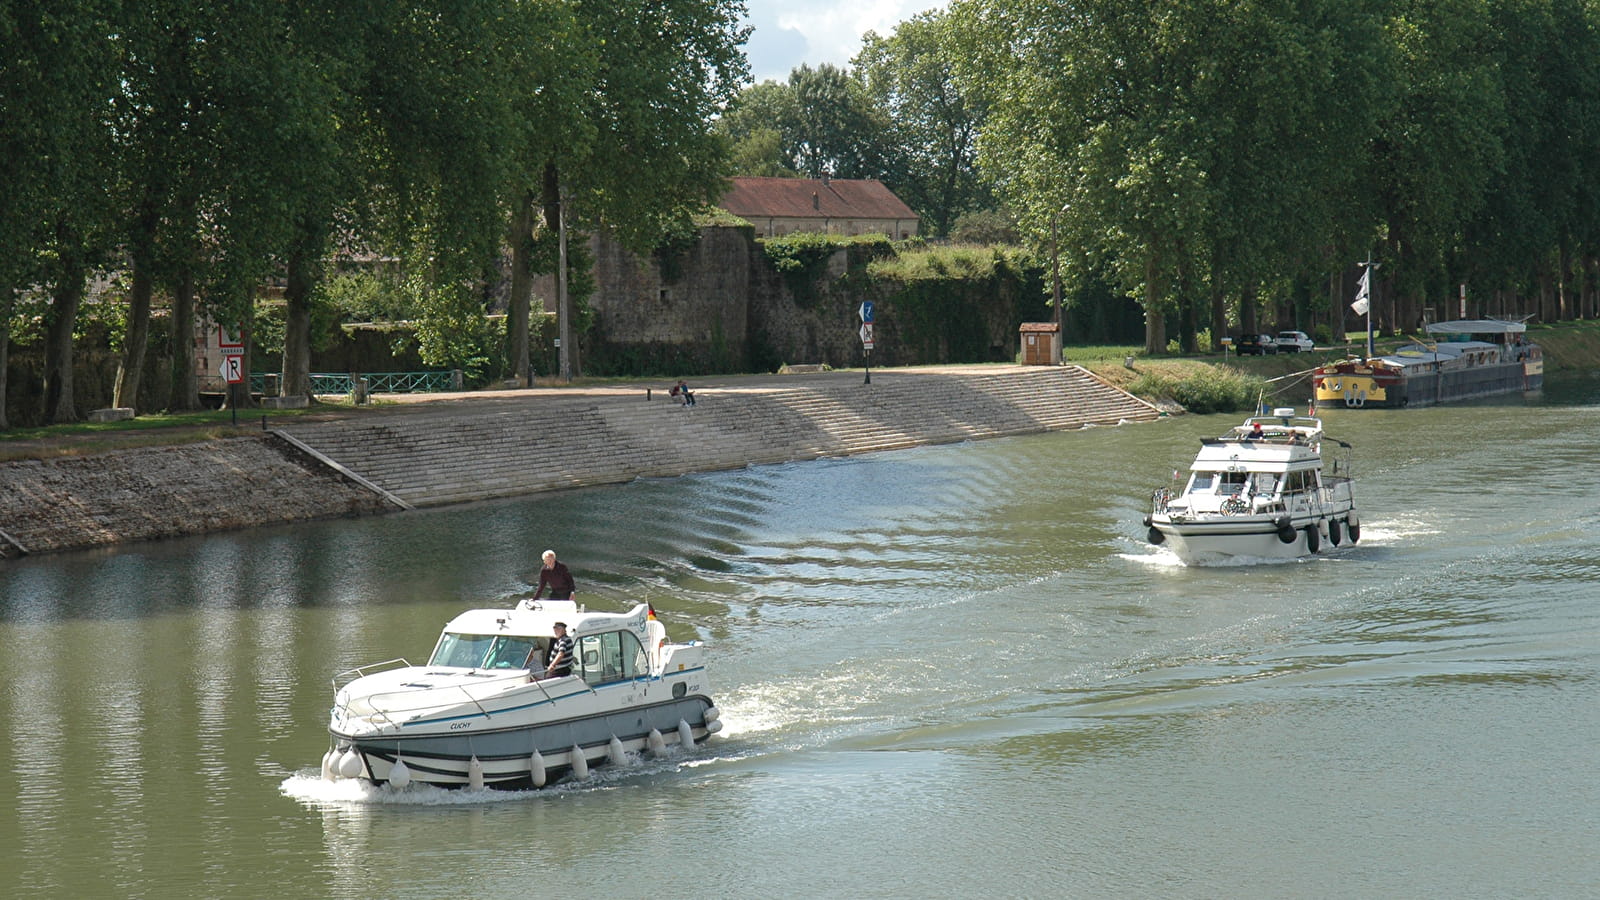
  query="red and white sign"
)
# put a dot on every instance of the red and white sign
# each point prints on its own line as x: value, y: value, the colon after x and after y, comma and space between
x: 866, y: 335
x: 232, y: 369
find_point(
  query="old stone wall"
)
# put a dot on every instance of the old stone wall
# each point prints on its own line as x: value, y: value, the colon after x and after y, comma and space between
x: 721, y: 305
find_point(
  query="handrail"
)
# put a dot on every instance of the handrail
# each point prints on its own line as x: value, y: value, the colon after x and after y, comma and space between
x: 361, y: 671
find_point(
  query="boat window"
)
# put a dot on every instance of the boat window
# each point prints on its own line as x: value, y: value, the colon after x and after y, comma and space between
x: 1203, y: 481
x: 464, y: 650
x: 1265, y: 484
x: 608, y: 657
x: 1233, y: 482
x: 512, y: 653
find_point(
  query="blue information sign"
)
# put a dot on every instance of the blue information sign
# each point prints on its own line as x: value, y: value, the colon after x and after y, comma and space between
x: 866, y: 311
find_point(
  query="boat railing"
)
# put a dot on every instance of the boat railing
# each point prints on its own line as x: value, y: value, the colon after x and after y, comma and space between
x: 349, y: 675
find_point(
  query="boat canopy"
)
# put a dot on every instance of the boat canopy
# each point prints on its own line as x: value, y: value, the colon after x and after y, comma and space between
x: 1476, y: 326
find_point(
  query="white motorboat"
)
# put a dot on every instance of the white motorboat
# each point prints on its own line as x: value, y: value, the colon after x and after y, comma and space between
x: 481, y: 712
x: 1259, y: 491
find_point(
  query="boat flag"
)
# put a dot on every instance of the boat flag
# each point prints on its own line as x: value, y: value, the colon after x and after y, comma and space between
x: 1361, y: 305
x: 651, y: 615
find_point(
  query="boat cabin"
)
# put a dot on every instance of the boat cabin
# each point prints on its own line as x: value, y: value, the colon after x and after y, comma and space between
x: 608, y: 647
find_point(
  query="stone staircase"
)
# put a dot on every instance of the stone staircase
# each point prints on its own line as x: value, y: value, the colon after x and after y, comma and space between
x: 437, y: 453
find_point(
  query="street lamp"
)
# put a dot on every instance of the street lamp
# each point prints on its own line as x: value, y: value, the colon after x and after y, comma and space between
x: 1055, y: 278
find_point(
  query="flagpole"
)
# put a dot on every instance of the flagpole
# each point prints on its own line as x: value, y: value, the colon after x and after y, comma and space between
x: 1364, y: 298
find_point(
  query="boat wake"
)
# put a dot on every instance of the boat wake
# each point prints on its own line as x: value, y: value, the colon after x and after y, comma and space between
x: 309, y: 787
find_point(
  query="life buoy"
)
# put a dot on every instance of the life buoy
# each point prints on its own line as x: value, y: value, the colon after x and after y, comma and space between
x: 1312, y: 538
x: 1333, y: 532
x: 1154, y: 535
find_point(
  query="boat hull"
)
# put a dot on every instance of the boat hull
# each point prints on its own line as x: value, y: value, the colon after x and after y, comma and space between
x: 505, y: 755
x: 1220, y: 540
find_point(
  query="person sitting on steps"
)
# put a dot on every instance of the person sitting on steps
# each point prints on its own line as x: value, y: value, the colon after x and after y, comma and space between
x: 681, y: 393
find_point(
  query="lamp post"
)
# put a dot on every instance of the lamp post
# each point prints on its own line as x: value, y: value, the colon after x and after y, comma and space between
x: 1055, y: 280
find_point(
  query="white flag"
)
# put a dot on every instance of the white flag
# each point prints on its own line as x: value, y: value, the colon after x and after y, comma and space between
x: 1361, y: 305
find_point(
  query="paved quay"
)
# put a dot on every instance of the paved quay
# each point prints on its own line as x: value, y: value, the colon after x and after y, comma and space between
x: 409, y: 451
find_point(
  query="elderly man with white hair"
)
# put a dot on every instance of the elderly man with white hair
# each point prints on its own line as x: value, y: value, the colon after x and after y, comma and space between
x: 556, y: 575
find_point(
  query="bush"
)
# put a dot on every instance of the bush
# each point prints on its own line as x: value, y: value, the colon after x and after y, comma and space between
x: 1205, y: 390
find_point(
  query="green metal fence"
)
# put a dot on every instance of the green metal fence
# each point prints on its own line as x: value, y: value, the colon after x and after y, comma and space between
x: 266, y: 383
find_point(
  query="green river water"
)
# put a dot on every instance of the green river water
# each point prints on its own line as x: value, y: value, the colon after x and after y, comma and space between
x: 948, y: 671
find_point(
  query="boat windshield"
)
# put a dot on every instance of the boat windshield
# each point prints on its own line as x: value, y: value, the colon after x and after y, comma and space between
x: 483, y: 651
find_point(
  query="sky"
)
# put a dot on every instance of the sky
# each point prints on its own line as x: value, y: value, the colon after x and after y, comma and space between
x: 791, y: 32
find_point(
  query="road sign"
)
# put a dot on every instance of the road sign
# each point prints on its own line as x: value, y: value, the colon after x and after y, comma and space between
x: 231, y: 350
x: 866, y: 335
x: 865, y: 312
x: 232, y: 369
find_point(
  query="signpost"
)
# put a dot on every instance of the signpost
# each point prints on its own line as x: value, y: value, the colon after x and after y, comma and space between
x: 232, y: 371
x: 865, y: 312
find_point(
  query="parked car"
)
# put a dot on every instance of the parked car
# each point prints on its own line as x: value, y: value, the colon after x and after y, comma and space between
x: 1255, y: 344
x: 1294, y: 342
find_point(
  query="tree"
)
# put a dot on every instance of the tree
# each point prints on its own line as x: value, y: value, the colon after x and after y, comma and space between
x: 754, y: 125
x: 61, y: 72
x: 662, y: 73
x: 934, y: 118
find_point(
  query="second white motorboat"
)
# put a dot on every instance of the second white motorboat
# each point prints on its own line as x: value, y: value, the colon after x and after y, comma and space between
x: 1263, y: 490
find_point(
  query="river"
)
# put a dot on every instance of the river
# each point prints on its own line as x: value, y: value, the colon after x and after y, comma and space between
x: 953, y: 670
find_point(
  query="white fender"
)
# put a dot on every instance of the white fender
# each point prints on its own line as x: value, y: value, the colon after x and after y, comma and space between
x: 328, y: 760
x: 714, y: 726
x: 580, y: 763
x: 350, y: 764
x: 712, y: 714
x: 536, y: 768
x: 475, y: 774
x: 619, y: 756
x: 685, y: 733
x: 658, y: 744
x: 399, y: 773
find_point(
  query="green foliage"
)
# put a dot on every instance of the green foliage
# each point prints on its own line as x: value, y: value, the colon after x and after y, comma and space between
x: 801, y: 257
x: 985, y: 226
x: 454, y: 333
x: 1207, y: 390
x: 365, y: 295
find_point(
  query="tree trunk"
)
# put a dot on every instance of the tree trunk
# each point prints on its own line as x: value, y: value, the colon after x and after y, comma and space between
x: 1336, y: 306
x: 1155, y: 325
x: 6, y: 303
x: 185, y: 383
x: 1219, y: 311
x: 554, y: 215
x: 296, y: 376
x: 59, y: 406
x: 1247, y: 310
x: 131, y: 370
x: 521, y: 300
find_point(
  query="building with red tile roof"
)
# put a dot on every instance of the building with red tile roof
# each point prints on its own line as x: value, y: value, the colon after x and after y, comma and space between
x: 778, y: 206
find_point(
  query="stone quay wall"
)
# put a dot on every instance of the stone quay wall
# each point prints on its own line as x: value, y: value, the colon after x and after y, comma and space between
x: 77, y: 502
x: 433, y: 450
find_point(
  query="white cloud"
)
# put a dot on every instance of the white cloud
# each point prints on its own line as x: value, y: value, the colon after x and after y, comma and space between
x: 791, y: 32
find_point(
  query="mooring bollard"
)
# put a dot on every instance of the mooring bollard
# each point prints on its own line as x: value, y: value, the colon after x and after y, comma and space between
x: 647, y: 394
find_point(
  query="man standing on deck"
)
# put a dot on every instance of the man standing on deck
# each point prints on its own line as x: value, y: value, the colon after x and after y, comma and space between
x: 560, y: 654
x: 556, y: 575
